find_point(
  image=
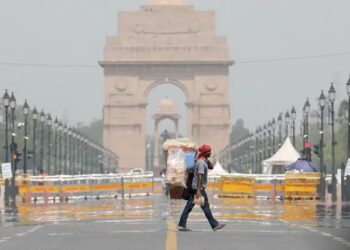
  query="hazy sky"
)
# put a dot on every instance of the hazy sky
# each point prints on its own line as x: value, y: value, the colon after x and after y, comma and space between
x: 73, y: 33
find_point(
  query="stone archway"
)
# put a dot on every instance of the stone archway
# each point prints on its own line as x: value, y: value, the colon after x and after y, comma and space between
x: 166, y: 110
x: 164, y: 43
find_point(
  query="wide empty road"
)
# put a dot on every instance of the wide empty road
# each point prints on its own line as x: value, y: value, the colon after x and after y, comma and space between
x: 150, y: 223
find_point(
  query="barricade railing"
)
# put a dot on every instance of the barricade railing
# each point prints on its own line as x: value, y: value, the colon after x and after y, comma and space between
x: 214, y: 184
x: 65, y: 187
x: 301, y: 185
x: 284, y: 186
x: 237, y: 186
x: 158, y: 185
x: 269, y: 186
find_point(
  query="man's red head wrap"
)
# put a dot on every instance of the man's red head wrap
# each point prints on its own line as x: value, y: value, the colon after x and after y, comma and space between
x: 203, y: 149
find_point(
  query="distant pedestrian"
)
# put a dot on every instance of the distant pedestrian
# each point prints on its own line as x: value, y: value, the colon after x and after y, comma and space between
x: 199, y: 184
x: 41, y: 174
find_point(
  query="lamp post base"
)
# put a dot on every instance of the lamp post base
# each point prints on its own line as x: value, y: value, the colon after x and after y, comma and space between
x: 7, y: 193
x: 322, y: 188
x: 334, y: 188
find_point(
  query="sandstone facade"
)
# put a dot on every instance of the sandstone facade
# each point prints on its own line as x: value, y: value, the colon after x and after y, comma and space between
x: 164, y: 43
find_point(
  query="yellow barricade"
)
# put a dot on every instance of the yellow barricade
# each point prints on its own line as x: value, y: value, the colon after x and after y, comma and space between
x: 301, y: 185
x: 106, y: 187
x: 38, y: 189
x: 269, y: 187
x: 213, y: 185
x: 131, y: 186
x: 75, y: 188
x: 49, y: 188
x: 138, y: 185
x: 237, y: 186
x: 157, y: 186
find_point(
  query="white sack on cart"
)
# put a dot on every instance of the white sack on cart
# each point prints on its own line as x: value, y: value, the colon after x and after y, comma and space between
x: 176, y: 168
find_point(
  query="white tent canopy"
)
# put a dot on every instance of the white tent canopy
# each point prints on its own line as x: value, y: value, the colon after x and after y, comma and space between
x: 286, y: 155
x: 218, y: 169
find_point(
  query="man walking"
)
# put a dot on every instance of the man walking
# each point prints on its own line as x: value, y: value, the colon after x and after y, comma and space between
x: 199, y: 184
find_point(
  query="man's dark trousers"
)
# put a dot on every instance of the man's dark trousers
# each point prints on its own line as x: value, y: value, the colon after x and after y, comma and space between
x: 206, y: 209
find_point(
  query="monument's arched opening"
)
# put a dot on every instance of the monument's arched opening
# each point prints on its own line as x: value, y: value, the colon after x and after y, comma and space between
x: 166, y: 116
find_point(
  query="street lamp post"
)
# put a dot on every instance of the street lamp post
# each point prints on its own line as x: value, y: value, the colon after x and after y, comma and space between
x: 348, y: 91
x: 273, y: 124
x: 264, y: 143
x: 70, y: 149
x: 293, y: 114
x: 269, y: 128
x: 331, y: 96
x: 49, y: 125
x: 251, y: 146
x: 260, y: 149
x: 74, y: 136
x: 287, y: 121
x: 84, y: 154
x: 322, y: 103
x: 42, y: 121
x: 25, y: 113
x: 56, y: 124
x: 60, y: 128
x: 95, y: 156
x: 78, y: 168
x: 306, y: 112
x: 256, y: 150
x: 35, y: 115
x: 279, y: 123
x: 6, y: 102
x: 13, y: 151
x: 88, y: 155
x: 65, y: 149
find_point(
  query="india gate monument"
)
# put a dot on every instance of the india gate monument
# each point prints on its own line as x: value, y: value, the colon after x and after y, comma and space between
x: 165, y: 42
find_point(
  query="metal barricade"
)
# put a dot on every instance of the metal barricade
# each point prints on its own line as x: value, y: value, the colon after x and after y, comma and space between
x: 237, y: 186
x: 66, y: 187
x: 137, y: 184
x: 301, y: 185
x: 158, y: 185
x: 77, y: 187
x: 40, y: 189
x: 269, y: 186
x: 213, y: 185
x: 103, y: 186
